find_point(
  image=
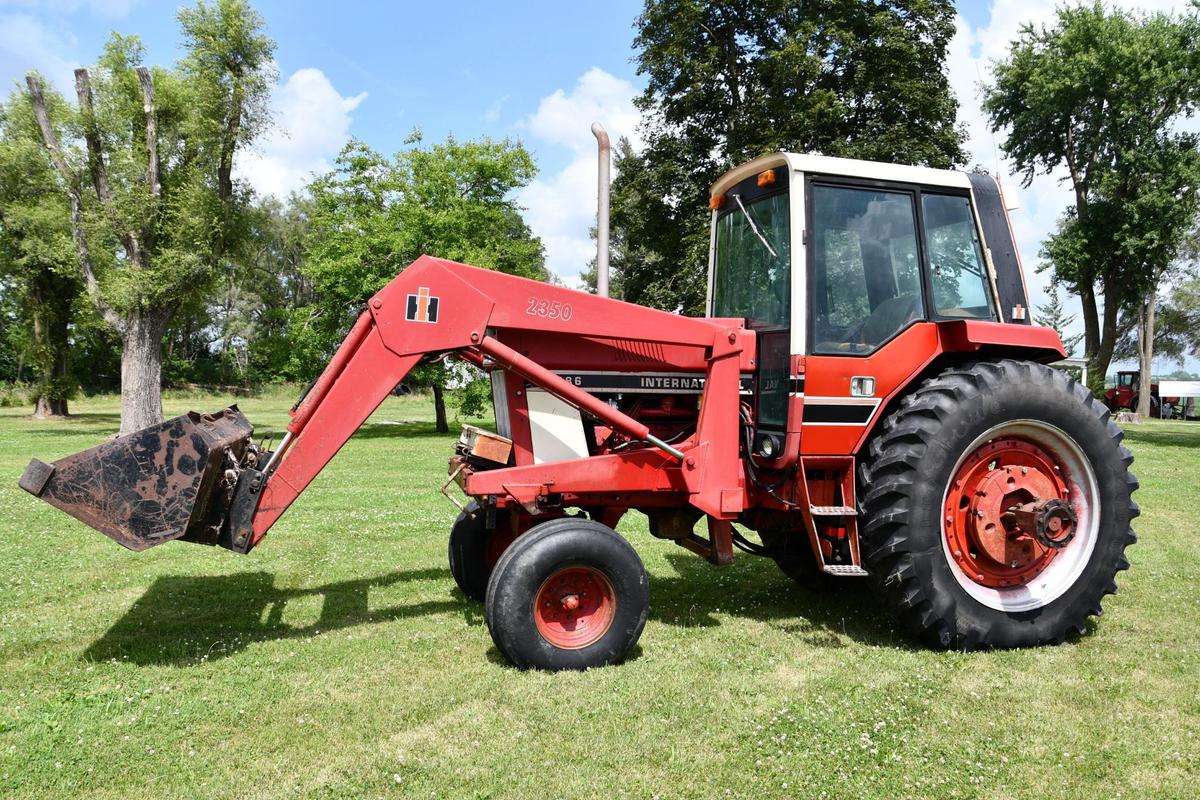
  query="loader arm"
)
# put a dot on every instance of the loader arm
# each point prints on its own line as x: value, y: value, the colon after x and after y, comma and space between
x: 437, y: 308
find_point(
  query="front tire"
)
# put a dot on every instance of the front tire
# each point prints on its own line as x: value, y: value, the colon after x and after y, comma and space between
x: 939, y: 487
x: 569, y: 594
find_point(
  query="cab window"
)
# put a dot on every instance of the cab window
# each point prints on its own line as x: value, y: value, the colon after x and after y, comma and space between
x: 866, y: 267
x: 753, y: 261
x: 960, y: 284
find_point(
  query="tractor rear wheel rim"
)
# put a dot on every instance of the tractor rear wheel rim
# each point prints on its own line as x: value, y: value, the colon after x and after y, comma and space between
x: 574, y: 607
x: 994, y: 560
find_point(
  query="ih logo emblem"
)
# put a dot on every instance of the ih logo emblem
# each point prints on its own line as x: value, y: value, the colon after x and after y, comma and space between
x: 421, y: 307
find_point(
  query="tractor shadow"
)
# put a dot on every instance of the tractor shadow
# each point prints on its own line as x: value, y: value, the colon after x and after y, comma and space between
x: 754, y: 588
x: 1187, y: 434
x: 184, y: 620
x: 187, y: 620
x: 382, y: 428
x: 75, y: 424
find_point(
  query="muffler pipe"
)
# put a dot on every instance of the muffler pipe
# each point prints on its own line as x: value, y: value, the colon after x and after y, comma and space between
x: 604, y: 182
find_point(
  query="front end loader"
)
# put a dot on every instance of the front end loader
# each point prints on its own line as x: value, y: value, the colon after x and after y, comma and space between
x: 865, y: 399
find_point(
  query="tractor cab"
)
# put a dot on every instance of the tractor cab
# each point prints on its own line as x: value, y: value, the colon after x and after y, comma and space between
x: 1123, y: 393
x: 842, y: 267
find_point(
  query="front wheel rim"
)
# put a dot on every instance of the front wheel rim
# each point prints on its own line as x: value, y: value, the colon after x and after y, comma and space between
x: 574, y: 607
x: 1023, y: 459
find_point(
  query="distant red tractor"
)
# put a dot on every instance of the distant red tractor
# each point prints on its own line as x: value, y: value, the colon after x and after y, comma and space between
x: 1124, y: 396
x: 866, y: 397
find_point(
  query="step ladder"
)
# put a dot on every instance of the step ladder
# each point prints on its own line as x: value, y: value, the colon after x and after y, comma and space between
x: 832, y: 519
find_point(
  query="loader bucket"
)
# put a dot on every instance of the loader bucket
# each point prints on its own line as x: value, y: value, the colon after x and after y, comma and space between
x: 161, y: 483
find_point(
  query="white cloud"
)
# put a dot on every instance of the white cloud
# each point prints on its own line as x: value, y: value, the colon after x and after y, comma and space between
x: 565, y: 119
x: 969, y: 60
x: 311, y: 124
x: 562, y: 208
x: 493, y: 112
x: 26, y: 43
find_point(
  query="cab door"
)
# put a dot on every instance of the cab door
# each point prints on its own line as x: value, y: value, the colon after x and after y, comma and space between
x: 884, y: 261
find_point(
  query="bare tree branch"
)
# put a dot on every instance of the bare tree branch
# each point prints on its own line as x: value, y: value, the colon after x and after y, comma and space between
x: 91, y: 135
x: 233, y: 126
x: 50, y: 140
x: 147, y: 83
x: 95, y: 151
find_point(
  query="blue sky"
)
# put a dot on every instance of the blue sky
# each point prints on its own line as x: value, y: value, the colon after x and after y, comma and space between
x: 468, y: 68
x: 538, y: 71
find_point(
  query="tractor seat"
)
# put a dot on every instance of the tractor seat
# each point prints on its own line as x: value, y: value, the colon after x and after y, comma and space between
x: 890, y: 316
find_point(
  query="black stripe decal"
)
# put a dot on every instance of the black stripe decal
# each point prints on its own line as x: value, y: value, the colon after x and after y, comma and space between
x: 837, y: 413
x: 643, y: 382
x: 797, y: 386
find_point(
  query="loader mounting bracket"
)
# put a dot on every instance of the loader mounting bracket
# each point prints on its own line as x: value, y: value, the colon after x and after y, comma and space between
x: 237, y: 535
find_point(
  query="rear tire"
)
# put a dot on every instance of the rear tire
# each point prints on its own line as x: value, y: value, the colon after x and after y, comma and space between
x: 568, y: 594
x: 794, y: 556
x: 474, y: 550
x: 966, y: 425
x: 1155, y: 406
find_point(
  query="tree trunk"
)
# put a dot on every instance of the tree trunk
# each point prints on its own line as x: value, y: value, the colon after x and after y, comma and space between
x: 439, y: 409
x: 1146, y: 313
x: 50, y: 301
x: 61, y: 385
x: 42, y: 357
x: 1102, y: 358
x: 141, y: 371
x: 62, y: 373
x: 1091, y: 336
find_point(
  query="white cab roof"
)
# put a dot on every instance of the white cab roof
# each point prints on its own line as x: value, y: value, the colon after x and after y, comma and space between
x: 846, y: 167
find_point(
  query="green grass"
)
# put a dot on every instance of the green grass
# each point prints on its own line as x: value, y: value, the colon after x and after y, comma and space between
x: 339, y: 660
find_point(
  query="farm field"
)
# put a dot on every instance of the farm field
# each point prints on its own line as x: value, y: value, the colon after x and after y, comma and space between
x: 339, y: 660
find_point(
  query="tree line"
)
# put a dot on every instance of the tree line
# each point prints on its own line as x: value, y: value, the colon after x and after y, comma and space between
x: 131, y: 255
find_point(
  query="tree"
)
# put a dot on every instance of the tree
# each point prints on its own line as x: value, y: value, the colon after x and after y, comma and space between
x: 1053, y: 315
x: 726, y: 82
x: 1099, y: 95
x: 372, y: 216
x: 146, y: 165
x: 36, y: 256
x: 1177, y: 334
x: 276, y: 277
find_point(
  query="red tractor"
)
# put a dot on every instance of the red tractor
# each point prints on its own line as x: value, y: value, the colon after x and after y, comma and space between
x: 1124, y: 396
x: 867, y: 397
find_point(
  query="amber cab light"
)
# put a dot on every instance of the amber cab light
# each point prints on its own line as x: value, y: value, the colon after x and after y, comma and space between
x: 766, y: 178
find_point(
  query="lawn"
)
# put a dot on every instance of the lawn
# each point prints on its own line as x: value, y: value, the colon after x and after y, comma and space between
x: 339, y: 660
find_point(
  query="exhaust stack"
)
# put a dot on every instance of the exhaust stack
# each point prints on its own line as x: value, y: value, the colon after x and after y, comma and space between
x: 604, y: 182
